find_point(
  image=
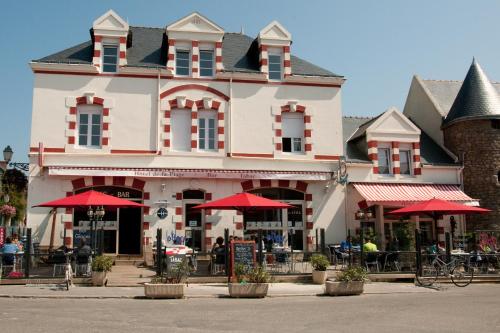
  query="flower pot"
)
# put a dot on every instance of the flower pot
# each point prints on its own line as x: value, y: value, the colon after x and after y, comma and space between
x: 344, y: 288
x: 248, y: 290
x: 163, y: 290
x: 99, y: 279
x: 319, y: 277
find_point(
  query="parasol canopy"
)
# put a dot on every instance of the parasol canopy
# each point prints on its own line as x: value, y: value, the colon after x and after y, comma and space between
x: 90, y: 198
x: 243, y: 202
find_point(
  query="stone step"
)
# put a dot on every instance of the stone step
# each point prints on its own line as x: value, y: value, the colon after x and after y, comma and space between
x: 129, y: 262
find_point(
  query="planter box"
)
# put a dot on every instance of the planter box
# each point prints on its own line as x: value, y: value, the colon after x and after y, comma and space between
x: 319, y: 277
x: 248, y: 290
x: 163, y: 290
x: 334, y: 288
x: 99, y: 279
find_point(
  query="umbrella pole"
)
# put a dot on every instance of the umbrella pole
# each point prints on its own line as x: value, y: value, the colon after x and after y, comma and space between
x: 53, y: 229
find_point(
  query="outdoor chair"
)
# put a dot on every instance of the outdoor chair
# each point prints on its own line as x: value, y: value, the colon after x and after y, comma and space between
x: 218, y: 265
x: 340, y: 257
x: 372, y: 261
x: 8, y: 264
x: 392, y: 261
x: 83, y: 265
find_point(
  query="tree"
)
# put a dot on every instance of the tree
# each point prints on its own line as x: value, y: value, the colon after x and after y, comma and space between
x: 14, y: 183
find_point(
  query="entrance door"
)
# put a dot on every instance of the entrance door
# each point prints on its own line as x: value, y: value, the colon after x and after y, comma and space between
x: 130, y: 231
x: 193, y: 226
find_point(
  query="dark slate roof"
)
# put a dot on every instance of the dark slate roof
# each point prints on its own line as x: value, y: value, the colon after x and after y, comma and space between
x: 356, y: 150
x: 352, y: 150
x: 476, y: 99
x: 149, y: 45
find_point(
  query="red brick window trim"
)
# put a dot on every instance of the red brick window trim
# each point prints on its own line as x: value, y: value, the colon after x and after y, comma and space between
x: 306, y: 140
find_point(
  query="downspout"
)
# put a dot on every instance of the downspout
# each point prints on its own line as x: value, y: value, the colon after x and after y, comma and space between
x: 230, y: 120
x: 158, y: 116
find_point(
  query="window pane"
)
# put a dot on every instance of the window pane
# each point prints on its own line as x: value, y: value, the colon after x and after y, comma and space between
x: 95, y: 140
x: 275, y: 75
x: 206, y: 63
x: 182, y: 55
x: 96, y: 130
x: 202, y: 142
x: 404, y: 162
x: 109, y: 68
x: 206, y: 72
x: 110, y: 60
x: 96, y: 119
x: 84, y: 118
x: 274, y: 67
x: 287, y: 145
x: 82, y: 140
x: 383, y: 161
x: 182, y: 63
x: 83, y: 129
x: 274, y: 59
x: 206, y: 55
x: 211, y: 144
x: 110, y: 50
x: 297, y: 144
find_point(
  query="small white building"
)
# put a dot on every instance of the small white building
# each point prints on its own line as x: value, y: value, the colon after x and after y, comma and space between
x: 177, y: 116
x: 392, y: 163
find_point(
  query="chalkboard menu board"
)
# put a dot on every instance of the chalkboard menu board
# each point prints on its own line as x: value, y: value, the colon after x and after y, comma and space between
x: 242, y: 252
x: 173, y: 260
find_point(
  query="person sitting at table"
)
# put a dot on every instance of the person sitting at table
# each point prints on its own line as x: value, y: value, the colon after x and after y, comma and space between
x: 84, y: 250
x: 346, y: 244
x: 368, y: 246
x: 392, y: 244
x: 9, y: 251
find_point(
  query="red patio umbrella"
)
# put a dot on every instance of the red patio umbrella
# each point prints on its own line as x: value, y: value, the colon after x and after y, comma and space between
x: 90, y: 198
x: 436, y: 207
x: 243, y: 202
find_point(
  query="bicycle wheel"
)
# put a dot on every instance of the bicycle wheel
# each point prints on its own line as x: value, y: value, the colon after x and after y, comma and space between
x: 462, y: 275
x: 427, y: 275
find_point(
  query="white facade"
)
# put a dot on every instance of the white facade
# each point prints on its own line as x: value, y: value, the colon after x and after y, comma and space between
x: 141, y: 146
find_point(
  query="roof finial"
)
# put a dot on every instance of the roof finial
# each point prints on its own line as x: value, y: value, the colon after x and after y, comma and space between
x: 242, y: 31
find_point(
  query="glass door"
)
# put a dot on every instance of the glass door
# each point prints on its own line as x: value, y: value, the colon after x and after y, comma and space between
x: 294, y: 224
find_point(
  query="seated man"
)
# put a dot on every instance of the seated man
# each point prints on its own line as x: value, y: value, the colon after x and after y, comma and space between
x: 9, y: 251
x: 83, y: 252
x: 368, y: 246
x: 346, y: 245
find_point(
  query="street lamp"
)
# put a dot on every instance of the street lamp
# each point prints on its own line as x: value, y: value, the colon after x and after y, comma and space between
x: 7, y: 156
x: 95, y: 215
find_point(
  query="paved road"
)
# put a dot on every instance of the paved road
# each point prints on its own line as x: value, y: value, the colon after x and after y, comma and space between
x: 472, y: 309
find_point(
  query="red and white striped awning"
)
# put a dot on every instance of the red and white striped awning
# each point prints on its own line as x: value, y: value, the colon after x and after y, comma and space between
x: 408, y: 194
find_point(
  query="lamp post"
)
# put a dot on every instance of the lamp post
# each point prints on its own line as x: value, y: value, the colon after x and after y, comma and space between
x: 363, y: 215
x: 95, y: 215
x: 7, y: 156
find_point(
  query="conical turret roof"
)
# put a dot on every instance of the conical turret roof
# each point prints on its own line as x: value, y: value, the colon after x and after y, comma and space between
x: 476, y: 99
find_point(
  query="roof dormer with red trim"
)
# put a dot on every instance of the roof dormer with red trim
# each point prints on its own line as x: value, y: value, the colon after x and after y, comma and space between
x: 274, y: 51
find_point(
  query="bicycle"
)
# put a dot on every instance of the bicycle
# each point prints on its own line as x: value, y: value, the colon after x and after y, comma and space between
x: 461, y: 273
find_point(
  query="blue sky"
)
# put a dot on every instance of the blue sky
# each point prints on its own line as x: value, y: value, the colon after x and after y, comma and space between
x: 376, y: 45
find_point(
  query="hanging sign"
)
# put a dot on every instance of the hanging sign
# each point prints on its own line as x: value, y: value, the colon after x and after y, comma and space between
x: 2, y: 236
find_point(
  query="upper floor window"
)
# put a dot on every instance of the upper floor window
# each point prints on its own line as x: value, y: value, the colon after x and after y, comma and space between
x: 384, y: 161
x: 292, y: 124
x: 181, y: 130
x: 206, y: 130
x: 275, y: 67
x: 405, y: 162
x: 206, y: 63
x: 182, y: 62
x: 110, y: 59
x: 495, y: 123
x: 89, y: 126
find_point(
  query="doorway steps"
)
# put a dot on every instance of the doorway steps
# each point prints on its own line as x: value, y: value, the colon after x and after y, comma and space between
x: 129, y: 260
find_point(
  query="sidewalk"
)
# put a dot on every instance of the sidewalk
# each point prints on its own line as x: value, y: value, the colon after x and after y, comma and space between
x: 212, y: 290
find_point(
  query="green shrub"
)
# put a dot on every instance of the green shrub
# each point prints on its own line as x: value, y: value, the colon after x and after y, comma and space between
x: 175, y: 275
x: 102, y: 264
x: 319, y: 262
x: 258, y: 275
x: 352, y: 274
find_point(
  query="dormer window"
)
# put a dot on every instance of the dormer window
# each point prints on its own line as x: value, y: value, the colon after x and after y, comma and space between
x: 182, y: 62
x: 206, y: 63
x: 110, y: 59
x: 275, y: 67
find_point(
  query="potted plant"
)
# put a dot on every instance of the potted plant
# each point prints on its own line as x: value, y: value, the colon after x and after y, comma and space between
x: 319, y: 263
x: 100, y: 266
x: 348, y: 282
x: 169, y: 285
x: 250, y: 283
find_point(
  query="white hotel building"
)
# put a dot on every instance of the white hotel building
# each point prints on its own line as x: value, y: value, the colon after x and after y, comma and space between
x: 177, y: 116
